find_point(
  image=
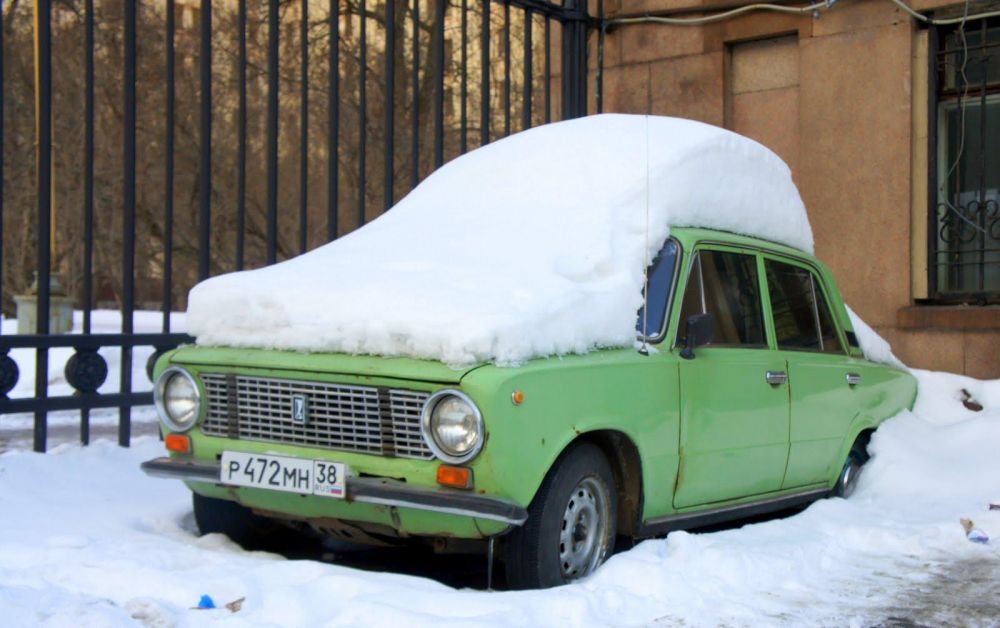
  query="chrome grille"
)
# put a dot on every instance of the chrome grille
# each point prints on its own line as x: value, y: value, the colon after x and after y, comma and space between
x: 365, y: 419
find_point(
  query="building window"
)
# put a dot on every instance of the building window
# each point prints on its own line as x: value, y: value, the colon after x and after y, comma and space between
x: 965, y: 241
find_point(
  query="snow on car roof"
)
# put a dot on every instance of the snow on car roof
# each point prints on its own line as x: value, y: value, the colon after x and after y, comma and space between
x: 531, y: 246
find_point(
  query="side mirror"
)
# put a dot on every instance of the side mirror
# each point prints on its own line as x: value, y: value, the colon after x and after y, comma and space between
x: 700, y: 331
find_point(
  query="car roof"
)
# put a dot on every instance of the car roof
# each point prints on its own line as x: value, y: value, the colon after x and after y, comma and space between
x: 688, y: 236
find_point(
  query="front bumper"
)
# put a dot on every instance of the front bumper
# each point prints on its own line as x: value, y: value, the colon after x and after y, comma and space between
x: 370, y: 490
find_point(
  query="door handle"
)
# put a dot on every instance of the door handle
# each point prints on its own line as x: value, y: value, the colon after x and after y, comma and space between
x: 853, y: 379
x: 776, y: 378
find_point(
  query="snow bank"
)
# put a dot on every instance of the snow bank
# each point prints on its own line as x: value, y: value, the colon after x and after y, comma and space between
x: 87, y: 540
x: 875, y: 347
x: 534, y: 245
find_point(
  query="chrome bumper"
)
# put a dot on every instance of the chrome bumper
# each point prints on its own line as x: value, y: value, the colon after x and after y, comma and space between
x: 368, y: 490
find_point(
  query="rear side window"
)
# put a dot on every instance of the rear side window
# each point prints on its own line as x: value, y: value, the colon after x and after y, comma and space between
x: 725, y: 285
x: 802, y: 320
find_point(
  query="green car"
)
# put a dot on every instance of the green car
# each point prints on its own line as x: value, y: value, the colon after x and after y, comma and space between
x: 747, y: 392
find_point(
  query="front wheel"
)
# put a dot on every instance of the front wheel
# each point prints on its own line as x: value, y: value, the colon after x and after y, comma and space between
x: 571, y: 523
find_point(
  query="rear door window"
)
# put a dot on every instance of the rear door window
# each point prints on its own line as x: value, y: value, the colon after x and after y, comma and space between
x: 802, y: 319
x: 725, y: 284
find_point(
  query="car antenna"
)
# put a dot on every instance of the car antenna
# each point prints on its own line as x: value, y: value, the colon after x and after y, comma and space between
x: 644, y: 349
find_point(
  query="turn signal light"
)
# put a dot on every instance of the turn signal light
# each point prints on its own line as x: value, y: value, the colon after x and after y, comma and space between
x: 178, y: 443
x: 456, y: 477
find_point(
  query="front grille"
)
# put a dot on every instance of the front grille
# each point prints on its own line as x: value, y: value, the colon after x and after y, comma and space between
x: 365, y: 419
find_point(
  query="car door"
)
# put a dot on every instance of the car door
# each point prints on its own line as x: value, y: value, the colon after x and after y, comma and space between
x: 734, y: 401
x: 820, y: 370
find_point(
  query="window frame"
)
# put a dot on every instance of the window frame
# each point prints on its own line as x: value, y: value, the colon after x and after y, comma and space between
x: 671, y: 295
x: 765, y: 303
x: 938, y: 94
x: 817, y: 284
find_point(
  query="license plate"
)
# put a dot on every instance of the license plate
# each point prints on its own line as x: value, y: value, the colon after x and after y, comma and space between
x: 284, y: 473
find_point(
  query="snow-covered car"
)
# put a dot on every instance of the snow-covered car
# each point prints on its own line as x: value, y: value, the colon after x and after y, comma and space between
x: 550, y: 367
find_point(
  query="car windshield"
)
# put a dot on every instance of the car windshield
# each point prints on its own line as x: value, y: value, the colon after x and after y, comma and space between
x: 661, y: 277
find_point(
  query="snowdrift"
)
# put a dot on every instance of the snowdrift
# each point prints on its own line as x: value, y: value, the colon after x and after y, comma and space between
x: 88, y: 540
x: 534, y: 245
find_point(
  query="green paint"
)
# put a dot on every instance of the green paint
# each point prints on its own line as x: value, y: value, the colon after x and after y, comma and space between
x: 709, y: 431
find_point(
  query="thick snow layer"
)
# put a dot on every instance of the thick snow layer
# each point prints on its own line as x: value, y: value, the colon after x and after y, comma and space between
x: 534, y: 245
x: 87, y: 540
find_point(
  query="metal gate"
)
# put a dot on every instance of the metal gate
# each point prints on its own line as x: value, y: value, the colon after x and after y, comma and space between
x: 147, y: 146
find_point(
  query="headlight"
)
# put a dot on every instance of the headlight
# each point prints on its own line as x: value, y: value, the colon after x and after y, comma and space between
x: 452, y: 426
x: 177, y: 399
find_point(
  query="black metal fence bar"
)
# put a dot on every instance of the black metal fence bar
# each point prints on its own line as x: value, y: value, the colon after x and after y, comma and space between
x: 506, y: 69
x: 128, y: 210
x: 374, y: 81
x: 389, y: 125
x: 415, y: 98
x: 484, y: 64
x: 362, y: 113
x: 168, y: 167
x: 241, y: 132
x: 272, y: 132
x: 43, y: 165
x: 333, y: 123
x: 463, y: 137
x: 548, y: 71
x: 439, y: 83
x: 304, y: 128
x: 529, y: 84
x: 205, y: 169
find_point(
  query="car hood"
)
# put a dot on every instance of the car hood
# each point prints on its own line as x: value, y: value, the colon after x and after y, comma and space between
x: 330, y: 363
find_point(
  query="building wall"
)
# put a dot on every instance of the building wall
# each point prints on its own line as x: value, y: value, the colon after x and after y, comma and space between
x: 842, y: 98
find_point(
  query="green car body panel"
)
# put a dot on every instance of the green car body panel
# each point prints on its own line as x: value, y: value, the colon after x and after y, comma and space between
x: 684, y: 436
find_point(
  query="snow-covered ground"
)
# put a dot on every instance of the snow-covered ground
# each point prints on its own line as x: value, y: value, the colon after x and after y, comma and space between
x: 102, y: 322
x: 87, y: 540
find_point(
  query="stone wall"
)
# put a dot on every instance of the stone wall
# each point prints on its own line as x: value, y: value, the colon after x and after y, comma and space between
x: 842, y: 98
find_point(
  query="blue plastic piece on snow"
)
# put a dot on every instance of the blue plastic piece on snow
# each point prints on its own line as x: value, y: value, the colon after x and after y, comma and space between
x: 978, y: 536
x: 206, y: 602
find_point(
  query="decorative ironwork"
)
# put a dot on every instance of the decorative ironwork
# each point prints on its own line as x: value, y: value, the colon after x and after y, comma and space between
x: 965, y: 224
x: 86, y: 370
x: 9, y: 374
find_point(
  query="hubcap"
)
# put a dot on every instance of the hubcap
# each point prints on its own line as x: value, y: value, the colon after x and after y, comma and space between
x: 849, y: 477
x: 583, y: 541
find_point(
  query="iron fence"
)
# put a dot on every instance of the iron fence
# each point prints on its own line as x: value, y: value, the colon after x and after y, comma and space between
x: 232, y: 123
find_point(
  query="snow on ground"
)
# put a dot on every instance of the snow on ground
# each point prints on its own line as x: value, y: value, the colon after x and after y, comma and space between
x: 533, y: 245
x: 87, y: 540
x: 102, y: 322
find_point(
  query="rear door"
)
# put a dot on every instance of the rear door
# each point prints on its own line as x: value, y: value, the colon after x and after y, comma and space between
x: 734, y: 423
x: 824, y: 400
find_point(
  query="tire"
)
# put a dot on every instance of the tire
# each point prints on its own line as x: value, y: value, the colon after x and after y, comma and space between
x: 851, y: 472
x: 238, y: 522
x: 571, y: 526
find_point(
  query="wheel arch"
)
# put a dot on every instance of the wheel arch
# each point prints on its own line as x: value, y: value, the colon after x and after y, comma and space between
x: 626, y: 464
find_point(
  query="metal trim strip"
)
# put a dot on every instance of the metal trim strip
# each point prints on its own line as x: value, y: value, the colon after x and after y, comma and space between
x: 367, y: 490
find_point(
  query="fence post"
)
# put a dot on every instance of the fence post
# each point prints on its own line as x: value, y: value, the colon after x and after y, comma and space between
x: 574, y: 60
x: 43, y: 163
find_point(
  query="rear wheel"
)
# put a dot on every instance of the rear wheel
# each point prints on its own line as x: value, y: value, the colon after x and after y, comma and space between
x: 571, y: 523
x: 239, y: 523
x: 849, y: 475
